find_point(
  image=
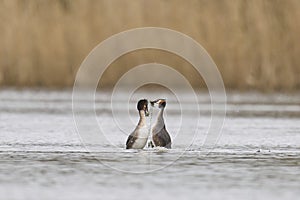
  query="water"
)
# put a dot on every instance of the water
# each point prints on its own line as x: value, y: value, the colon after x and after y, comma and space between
x: 42, y: 157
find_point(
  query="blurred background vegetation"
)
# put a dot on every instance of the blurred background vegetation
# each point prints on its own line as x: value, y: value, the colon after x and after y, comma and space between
x: 255, y: 43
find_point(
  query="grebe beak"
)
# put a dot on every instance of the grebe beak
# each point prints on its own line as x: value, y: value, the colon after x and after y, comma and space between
x: 146, y: 112
x: 153, y: 102
x: 158, y: 101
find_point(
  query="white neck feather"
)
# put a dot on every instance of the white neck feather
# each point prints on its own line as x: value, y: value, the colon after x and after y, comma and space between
x: 159, y: 121
x: 142, y: 121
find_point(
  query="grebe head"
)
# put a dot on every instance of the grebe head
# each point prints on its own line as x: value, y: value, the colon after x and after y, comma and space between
x: 160, y: 103
x: 143, y: 105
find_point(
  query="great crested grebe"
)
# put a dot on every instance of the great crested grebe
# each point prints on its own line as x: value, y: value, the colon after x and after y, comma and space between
x: 138, y: 138
x: 160, y: 135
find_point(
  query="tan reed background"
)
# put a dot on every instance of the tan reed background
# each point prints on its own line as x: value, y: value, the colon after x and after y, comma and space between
x: 255, y: 43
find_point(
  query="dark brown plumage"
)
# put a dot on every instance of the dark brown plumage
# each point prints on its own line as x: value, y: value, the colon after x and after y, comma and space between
x: 162, y: 138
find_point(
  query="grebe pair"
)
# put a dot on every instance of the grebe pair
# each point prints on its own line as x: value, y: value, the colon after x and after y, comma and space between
x: 160, y: 136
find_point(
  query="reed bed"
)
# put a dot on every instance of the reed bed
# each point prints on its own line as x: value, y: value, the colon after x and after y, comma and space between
x: 255, y: 43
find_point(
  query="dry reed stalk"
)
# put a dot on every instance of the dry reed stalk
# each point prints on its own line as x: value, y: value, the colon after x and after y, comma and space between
x: 255, y: 44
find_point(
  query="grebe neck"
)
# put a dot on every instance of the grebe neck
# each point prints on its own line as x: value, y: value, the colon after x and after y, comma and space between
x: 160, y: 119
x: 142, y: 121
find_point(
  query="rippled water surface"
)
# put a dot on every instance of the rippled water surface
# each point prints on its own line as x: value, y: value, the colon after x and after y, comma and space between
x: 42, y: 156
